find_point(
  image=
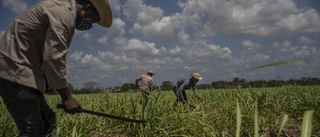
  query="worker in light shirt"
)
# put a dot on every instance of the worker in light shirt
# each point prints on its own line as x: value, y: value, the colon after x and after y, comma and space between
x: 144, y: 82
x: 33, y: 54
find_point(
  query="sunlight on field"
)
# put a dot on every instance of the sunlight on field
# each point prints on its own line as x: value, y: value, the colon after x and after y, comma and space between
x: 262, y: 111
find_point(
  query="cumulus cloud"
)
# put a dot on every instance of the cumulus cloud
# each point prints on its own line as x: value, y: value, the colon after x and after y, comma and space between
x: 308, y: 21
x: 160, y: 28
x: 175, y: 50
x: 1, y: 34
x: 201, y: 51
x: 286, y: 46
x: 116, y: 6
x: 250, y: 45
x: 137, y: 11
x: 143, y: 37
x: 115, y: 33
x: 183, y: 37
x: 150, y: 21
x: 117, y: 58
x: 105, y: 63
x: 254, y: 17
x: 89, y: 65
x: 16, y: 6
x: 140, y: 46
x: 304, y: 52
x: 83, y: 34
x: 305, y: 40
x: 251, y: 53
x: 289, y: 51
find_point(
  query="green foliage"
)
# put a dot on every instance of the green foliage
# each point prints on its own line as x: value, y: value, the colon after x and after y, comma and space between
x: 128, y: 87
x: 70, y: 87
x: 166, y: 85
x: 229, y: 112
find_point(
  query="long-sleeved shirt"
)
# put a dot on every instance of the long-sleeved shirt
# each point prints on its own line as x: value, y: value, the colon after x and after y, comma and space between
x: 144, y: 82
x: 184, y: 84
x: 33, y: 49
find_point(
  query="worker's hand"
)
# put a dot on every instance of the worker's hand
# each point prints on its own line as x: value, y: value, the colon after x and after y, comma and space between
x: 70, y: 104
x: 183, y: 101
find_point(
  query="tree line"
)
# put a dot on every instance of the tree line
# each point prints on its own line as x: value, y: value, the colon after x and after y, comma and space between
x: 237, y: 82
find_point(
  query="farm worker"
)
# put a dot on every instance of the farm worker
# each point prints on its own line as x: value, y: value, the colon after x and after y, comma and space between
x: 144, y: 82
x: 33, y: 60
x: 183, y: 84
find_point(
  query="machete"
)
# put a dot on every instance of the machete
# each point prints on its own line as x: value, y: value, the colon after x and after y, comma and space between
x: 107, y: 115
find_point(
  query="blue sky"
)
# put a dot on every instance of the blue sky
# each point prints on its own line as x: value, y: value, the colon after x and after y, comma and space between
x: 216, y: 38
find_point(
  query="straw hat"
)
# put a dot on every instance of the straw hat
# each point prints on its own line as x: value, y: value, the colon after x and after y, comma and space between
x: 104, y: 10
x: 151, y: 72
x: 196, y: 76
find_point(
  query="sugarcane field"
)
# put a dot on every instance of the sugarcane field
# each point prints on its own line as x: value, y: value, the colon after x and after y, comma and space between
x: 263, y: 112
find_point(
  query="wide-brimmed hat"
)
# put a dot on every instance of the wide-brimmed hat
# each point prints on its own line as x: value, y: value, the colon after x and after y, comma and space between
x: 196, y: 76
x: 104, y: 11
x: 151, y: 72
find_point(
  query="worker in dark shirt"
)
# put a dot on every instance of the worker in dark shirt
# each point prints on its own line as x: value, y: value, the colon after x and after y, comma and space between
x: 183, y: 84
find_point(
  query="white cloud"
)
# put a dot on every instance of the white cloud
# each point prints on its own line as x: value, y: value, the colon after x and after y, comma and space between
x: 1, y: 34
x: 260, y: 57
x: 117, y: 58
x: 116, y: 6
x: 115, y: 33
x: 308, y: 21
x: 16, y: 6
x: 175, y: 50
x: 286, y: 46
x: 198, y: 69
x: 183, y: 37
x: 141, y: 46
x: 250, y: 45
x: 303, y: 52
x: 76, y: 55
x: 201, y: 51
x: 89, y: 65
x: 190, y: 40
x: 288, y: 51
x: 124, y: 80
x: 137, y: 11
x: 83, y: 34
x: 251, y: 54
x: 160, y: 29
x: 305, y: 40
x: 86, y: 35
x: 255, y: 17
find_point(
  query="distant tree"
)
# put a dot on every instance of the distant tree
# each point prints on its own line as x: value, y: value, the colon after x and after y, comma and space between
x: 166, y: 85
x: 70, y: 87
x: 128, y: 86
x: 116, y: 89
x: 236, y: 79
x: 90, y: 87
x: 219, y: 84
x: 242, y: 80
x: 278, y: 77
x: 292, y: 81
x: 239, y: 82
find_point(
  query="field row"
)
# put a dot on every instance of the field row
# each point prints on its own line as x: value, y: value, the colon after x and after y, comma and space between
x: 261, y: 111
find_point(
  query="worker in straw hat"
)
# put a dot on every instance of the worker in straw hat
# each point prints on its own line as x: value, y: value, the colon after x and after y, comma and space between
x: 33, y: 60
x: 183, y: 84
x: 144, y: 82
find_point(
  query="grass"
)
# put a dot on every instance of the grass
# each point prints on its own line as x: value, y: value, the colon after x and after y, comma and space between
x: 283, y: 111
